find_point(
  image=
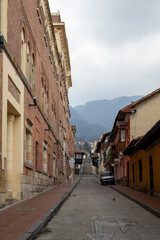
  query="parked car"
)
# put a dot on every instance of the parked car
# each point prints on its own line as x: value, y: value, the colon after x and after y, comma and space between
x: 107, y: 178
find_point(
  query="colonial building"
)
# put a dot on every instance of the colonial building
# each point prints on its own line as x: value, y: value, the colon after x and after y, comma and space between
x: 132, y: 122
x: 144, y: 153
x: 101, y: 148
x: 36, y: 139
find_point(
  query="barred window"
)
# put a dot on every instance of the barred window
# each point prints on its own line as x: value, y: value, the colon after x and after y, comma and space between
x: 28, y: 158
x: 123, y: 135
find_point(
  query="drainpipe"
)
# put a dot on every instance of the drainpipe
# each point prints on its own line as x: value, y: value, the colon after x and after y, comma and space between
x: 0, y: 14
x: 1, y: 37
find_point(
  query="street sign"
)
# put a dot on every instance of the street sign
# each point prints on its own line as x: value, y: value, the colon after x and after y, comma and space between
x: 72, y: 161
x: 71, y: 165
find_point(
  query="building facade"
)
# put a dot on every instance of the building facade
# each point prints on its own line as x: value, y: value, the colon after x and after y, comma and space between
x: 132, y: 122
x: 144, y: 155
x: 36, y: 139
x: 101, y: 148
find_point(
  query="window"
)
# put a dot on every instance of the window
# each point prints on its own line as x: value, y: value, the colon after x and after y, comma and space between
x: 45, y: 98
x: 42, y: 93
x: 54, y: 165
x: 39, y: 16
x: 104, y: 157
x: 23, y: 52
x: 37, y: 153
x: 33, y: 72
x: 28, y: 159
x: 151, y: 172
x: 140, y: 170
x: 50, y: 59
x: 78, y: 156
x: 123, y: 135
x: 47, y: 103
x: 29, y: 65
x: 45, y: 39
x: 27, y: 61
x: 45, y: 160
x: 53, y: 116
x: 49, y: 167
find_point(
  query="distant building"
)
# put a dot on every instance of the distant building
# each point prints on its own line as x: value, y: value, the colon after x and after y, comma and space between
x: 100, y: 148
x: 79, y: 156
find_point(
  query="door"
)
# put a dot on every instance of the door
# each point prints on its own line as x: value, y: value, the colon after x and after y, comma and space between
x: 151, y: 175
x: 128, y: 173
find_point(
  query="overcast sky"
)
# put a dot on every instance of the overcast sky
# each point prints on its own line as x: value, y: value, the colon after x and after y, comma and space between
x: 114, y: 47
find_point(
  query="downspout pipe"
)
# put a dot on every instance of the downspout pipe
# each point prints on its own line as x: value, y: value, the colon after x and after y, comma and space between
x: 0, y: 14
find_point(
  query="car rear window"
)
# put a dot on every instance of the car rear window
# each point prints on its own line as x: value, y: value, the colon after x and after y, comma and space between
x: 106, y: 174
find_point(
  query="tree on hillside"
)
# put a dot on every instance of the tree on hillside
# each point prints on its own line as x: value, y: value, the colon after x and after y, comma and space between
x: 87, y: 147
x: 83, y: 146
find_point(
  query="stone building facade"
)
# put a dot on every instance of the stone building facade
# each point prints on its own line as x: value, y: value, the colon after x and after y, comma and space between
x: 36, y: 138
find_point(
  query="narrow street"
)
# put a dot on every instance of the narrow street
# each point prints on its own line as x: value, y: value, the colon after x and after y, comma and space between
x: 100, y: 213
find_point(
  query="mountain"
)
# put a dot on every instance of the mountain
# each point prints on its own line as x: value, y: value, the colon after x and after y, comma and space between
x: 96, y: 117
x: 103, y: 112
x: 85, y: 131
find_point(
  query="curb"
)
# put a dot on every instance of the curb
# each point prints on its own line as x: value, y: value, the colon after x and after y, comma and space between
x: 145, y: 206
x: 33, y: 231
x: 96, y: 175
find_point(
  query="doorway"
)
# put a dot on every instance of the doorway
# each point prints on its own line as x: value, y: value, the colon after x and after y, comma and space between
x: 151, y: 175
x: 128, y: 173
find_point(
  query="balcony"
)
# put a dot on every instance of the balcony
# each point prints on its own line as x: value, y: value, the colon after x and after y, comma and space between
x: 95, y: 162
x: 121, y: 146
x: 78, y: 160
x: 79, y: 157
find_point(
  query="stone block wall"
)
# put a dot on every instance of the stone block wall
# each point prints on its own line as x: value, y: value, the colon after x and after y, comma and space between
x: 34, y: 183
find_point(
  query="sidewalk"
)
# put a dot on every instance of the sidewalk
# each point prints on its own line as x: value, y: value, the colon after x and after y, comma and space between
x: 24, y: 220
x: 151, y: 204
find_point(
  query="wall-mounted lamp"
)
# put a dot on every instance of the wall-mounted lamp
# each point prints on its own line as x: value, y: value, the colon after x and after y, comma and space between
x: 34, y: 102
x: 49, y: 128
x: 134, y: 111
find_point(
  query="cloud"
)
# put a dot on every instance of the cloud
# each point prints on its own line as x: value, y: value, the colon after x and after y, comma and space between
x: 114, y: 47
x: 106, y: 72
x: 92, y: 54
x: 144, y: 53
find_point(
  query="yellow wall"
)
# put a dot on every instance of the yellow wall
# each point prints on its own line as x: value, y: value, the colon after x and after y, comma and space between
x: 3, y: 20
x: 145, y: 184
x: 146, y: 115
